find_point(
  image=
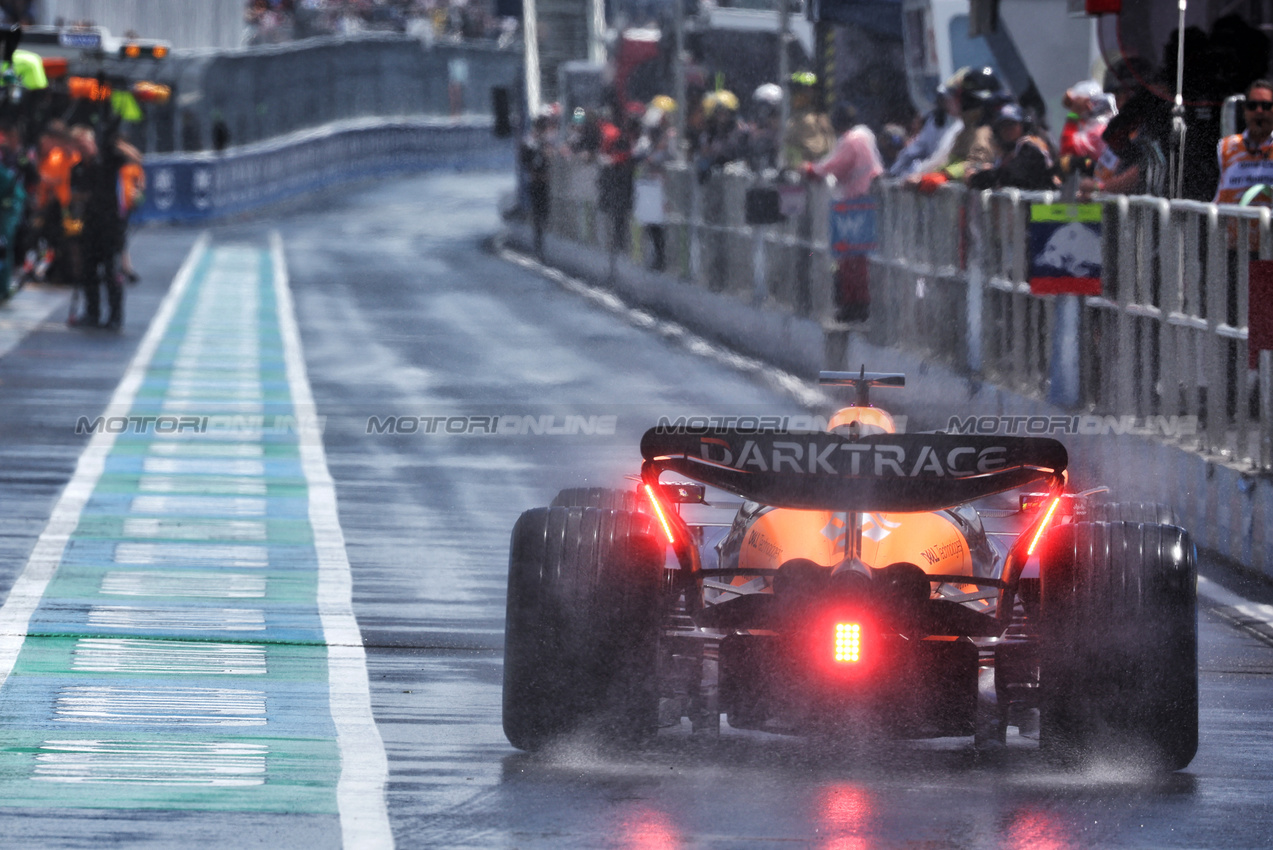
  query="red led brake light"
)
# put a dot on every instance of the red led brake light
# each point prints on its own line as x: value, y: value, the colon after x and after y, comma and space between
x: 1043, y: 526
x: 660, y: 513
x: 848, y: 643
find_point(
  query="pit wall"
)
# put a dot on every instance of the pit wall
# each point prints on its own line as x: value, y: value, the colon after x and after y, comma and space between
x: 204, y: 186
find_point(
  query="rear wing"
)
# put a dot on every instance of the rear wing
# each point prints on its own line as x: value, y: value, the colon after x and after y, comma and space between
x: 817, y: 470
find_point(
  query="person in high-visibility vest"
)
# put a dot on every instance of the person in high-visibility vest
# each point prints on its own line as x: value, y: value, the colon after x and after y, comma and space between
x: 1246, y: 176
x: 57, y: 155
x: 132, y: 190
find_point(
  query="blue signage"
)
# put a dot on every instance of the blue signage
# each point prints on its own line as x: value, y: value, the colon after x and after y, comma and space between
x: 852, y: 227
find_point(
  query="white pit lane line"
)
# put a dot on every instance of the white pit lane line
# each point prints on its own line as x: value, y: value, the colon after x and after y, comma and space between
x: 364, y: 814
x: 1255, y: 616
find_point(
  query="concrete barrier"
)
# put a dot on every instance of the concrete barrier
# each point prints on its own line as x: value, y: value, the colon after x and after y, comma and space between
x: 193, y: 187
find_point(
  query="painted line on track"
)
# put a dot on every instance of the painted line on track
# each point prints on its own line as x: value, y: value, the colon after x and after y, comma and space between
x: 1254, y: 617
x: 364, y: 816
x: 183, y: 636
x: 15, y: 615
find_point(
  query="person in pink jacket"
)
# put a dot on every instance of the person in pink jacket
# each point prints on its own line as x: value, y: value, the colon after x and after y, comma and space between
x: 854, y: 162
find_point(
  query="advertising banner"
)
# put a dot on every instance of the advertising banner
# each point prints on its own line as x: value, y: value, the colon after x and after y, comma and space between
x: 1065, y: 249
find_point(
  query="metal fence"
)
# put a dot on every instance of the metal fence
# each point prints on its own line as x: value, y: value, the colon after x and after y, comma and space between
x: 786, y: 266
x: 1165, y: 343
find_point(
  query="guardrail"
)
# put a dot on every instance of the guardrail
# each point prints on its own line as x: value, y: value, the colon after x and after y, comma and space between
x: 708, y: 241
x: 200, y: 186
x: 1165, y: 343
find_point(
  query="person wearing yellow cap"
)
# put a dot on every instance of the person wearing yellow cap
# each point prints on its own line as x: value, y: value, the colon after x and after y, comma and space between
x: 808, y: 136
x: 723, y: 138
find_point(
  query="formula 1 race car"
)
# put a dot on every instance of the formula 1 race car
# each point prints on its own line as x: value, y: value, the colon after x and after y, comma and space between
x: 925, y: 585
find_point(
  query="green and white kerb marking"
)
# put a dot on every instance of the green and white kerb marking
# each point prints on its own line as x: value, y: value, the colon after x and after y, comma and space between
x: 182, y: 636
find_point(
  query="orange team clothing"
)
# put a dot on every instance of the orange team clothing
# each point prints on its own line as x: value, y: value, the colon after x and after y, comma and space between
x: 132, y: 185
x: 1244, y: 165
x: 55, y: 177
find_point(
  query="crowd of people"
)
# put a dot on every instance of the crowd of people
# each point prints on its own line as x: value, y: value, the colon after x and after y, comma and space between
x: 273, y: 21
x: 65, y: 204
x: 69, y: 182
x: 1116, y: 138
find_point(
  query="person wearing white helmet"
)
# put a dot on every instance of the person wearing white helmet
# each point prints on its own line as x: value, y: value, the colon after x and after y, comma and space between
x: 765, y: 134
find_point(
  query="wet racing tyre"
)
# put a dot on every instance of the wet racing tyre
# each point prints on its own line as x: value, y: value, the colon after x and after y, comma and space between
x: 1119, y: 652
x: 597, y: 497
x: 582, y: 626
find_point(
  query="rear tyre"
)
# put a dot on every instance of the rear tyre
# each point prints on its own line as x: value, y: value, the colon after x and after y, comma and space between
x: 597, y: 497
x: 1153, y: 513
x: 582, y: 626
x: 1119, y: 654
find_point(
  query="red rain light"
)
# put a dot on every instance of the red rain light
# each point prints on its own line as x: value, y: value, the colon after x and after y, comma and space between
x: 848, y: 643
x: 660, y: 513
x: 1043, y: 526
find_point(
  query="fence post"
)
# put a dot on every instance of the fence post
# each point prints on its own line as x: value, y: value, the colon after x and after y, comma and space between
x: 1266, y: 411
x: 977, y: 223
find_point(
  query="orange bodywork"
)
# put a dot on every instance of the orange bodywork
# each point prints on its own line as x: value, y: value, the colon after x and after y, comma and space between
x: 929, y: 540
x: 874, y: 419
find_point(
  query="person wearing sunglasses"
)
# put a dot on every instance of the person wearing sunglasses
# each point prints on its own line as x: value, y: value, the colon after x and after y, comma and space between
x: 1246, y: 158
x: 1246, y: 178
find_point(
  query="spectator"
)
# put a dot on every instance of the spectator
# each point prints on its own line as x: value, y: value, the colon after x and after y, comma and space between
x: 535, y: 153
x: 854, y: 163
x: 1136, y: 138
x: 765, y: 136
x: 1090, y: 110
x: 584, y: 138
x: 1246, y: 158
x: 1246, y: 177
x: 615, y: 180
x: 974, y: 146
x: 723, y: 139
x: 930, y: 149
x: 891, y: 142
x: 1026, y: 162
x: 809, y: 136
x: 653, y: 152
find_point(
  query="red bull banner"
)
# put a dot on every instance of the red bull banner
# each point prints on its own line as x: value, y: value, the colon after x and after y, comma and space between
x: 1065, y: 249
